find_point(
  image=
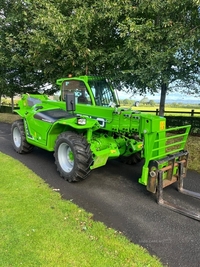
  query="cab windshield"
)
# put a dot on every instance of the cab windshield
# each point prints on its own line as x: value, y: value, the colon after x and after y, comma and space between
x: 102, y: 92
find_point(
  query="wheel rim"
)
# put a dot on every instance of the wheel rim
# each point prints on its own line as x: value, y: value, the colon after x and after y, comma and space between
x: 65, y: 157
x: 17, y: 137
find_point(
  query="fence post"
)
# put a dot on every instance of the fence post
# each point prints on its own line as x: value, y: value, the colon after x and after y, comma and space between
x: 157, y: 111
x: 192, y: 113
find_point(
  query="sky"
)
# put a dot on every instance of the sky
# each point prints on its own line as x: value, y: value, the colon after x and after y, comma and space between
x: 171, y: 97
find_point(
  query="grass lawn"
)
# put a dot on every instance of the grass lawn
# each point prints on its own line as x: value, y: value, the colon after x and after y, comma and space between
x: 39, y: 228
x: 8, y: 118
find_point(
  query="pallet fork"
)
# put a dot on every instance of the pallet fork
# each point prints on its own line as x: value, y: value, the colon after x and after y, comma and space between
x: 174, y: 171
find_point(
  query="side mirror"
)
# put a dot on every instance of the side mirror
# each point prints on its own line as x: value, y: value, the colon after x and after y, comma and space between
x: 70, y: 101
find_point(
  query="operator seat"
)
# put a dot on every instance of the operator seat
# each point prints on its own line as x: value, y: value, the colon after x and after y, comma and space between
x: 82, y: 99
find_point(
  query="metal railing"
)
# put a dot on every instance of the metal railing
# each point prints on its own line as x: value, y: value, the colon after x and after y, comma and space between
x: 191, y: 113
x: 181, y: 118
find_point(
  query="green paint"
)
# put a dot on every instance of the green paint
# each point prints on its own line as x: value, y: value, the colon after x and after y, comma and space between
x: 110, y: 130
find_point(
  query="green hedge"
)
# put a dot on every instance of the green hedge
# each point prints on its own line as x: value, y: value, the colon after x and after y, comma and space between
x: 6, y: 109
x: 173, y: 121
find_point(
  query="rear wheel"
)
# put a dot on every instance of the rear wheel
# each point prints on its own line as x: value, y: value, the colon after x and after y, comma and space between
x: 19, y: 138
x: 73, y: 156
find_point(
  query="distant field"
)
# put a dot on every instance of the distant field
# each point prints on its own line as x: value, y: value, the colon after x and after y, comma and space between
x: 166, y: 108
x: 177, y: 110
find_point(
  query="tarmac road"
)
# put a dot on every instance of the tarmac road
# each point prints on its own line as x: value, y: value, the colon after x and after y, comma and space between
x: 114, y: 196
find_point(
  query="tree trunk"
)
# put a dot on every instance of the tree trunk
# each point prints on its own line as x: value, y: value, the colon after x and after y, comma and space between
x: 12, y: 103
x: 162, y: 99
x: 0, y: 100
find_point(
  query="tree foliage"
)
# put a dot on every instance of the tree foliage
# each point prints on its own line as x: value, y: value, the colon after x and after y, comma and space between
x: 146, y: 46
x: 163, y: 36
x: 18, y: 72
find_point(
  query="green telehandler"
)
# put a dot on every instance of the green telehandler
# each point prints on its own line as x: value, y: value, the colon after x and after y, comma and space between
x: 85, y: 127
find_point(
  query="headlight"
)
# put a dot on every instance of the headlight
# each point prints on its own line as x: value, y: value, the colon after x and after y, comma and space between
x: 81, y: 121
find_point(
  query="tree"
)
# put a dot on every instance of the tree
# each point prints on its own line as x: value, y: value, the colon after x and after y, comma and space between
x: 18, y: 73
x: 125, y: 102
x: 45, y: 40
x: 152, y: 103
x: 73, y: 38
x: 144, y: 100
x: 161, y: 44
x: 150, y: 45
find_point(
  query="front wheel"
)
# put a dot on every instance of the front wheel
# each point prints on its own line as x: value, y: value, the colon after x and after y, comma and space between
x: 73, y: 156
x: 19, y: 138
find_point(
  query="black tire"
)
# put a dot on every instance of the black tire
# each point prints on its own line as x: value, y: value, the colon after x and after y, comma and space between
x: 19, y: 142
x: 73, y: 156
x: 132, y: 160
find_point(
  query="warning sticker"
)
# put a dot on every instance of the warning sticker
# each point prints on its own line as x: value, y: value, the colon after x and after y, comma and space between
x: 162, y: 125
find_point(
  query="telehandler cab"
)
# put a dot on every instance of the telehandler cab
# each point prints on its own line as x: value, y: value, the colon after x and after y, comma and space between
x: 87, y: 127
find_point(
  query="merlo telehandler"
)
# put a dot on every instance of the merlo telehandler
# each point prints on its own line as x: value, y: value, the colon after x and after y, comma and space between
x: 85, y: 127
